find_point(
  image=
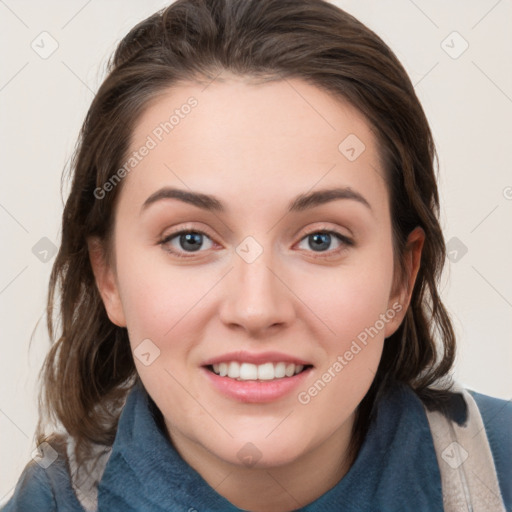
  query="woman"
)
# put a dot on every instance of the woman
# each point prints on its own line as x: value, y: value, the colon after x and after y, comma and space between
x: 212, y: 358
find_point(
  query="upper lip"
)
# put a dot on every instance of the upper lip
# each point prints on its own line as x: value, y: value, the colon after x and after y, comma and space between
x: 243, y: 356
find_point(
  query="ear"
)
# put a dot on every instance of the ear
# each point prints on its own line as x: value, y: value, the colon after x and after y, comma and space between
x: 106, y: 281
x: 400, y: 299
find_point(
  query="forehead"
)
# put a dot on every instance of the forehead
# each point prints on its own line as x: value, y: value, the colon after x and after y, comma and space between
x: 269, y: 140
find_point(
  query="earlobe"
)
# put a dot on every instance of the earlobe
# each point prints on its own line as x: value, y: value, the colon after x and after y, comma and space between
x: 401, y: 300
x: 106, y: 282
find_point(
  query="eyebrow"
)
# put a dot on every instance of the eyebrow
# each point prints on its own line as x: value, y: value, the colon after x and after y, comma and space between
x: 300, y: 203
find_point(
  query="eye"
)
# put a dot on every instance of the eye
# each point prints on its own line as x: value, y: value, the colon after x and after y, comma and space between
x: 321, y: 240
x: 185, y: 241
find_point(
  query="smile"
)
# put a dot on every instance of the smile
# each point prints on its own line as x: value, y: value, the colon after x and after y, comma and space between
x: 249, y: 371
x: 256, y: 383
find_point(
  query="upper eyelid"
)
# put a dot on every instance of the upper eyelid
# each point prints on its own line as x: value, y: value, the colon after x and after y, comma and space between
x: 173, y: 234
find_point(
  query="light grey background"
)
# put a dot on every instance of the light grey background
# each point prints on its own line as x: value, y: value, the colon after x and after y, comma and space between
x: 467, y: 97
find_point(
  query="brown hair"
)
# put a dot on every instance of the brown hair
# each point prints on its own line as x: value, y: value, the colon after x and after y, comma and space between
x: 89, y: 369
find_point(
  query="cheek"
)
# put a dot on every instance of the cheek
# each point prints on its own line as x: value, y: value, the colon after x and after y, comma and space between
x: 170, y: 306
x: 354, y: 297
x: 161, y: 307
x: 155, y: 295
x: 356, y: 311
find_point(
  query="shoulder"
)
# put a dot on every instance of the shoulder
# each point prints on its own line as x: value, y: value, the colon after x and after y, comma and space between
x: 33, y: 491
x: 497, y: 418
x: 489, y: 418
x: 45, y: 483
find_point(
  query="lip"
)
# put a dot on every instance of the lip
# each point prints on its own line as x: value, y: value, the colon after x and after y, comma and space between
x: 243, y: 356
x: 255, y: 391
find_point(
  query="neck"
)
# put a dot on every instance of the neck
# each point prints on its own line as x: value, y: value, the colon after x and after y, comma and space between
x: 279, y: 488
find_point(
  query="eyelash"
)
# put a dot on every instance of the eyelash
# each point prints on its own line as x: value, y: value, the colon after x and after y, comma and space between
x: 345, y: 241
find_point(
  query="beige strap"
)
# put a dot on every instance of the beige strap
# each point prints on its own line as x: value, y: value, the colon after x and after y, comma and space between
x: 468, y: 474
x: 85, y: 479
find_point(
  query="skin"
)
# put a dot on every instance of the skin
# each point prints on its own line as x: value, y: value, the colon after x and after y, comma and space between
x: 256, y: 147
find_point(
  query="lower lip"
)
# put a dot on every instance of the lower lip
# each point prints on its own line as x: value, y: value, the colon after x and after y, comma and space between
x: 256, y: 391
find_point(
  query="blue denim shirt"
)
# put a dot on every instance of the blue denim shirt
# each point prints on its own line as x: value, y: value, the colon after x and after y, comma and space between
x: 396, y: 468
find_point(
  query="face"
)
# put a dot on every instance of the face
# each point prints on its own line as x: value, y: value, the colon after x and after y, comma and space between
x: 292, y: 296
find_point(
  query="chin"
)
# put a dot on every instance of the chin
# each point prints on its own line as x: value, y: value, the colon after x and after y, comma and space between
x: 260, y: 452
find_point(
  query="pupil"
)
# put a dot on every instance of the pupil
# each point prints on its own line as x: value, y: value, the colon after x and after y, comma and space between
x: 194, y: 239
x: 321, y: 239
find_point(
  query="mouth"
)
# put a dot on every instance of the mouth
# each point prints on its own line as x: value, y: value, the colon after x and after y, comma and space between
x: 258, y: 382
x: 269, y: 371
x: 252, y: 377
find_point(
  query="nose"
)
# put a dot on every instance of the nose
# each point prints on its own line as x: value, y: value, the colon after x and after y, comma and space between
x: 256, y: 298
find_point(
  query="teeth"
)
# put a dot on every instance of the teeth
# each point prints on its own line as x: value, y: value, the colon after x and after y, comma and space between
x: 248, y: 371
x: 280, y: 370
x: 234, y: 370
x: 266, y: 371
